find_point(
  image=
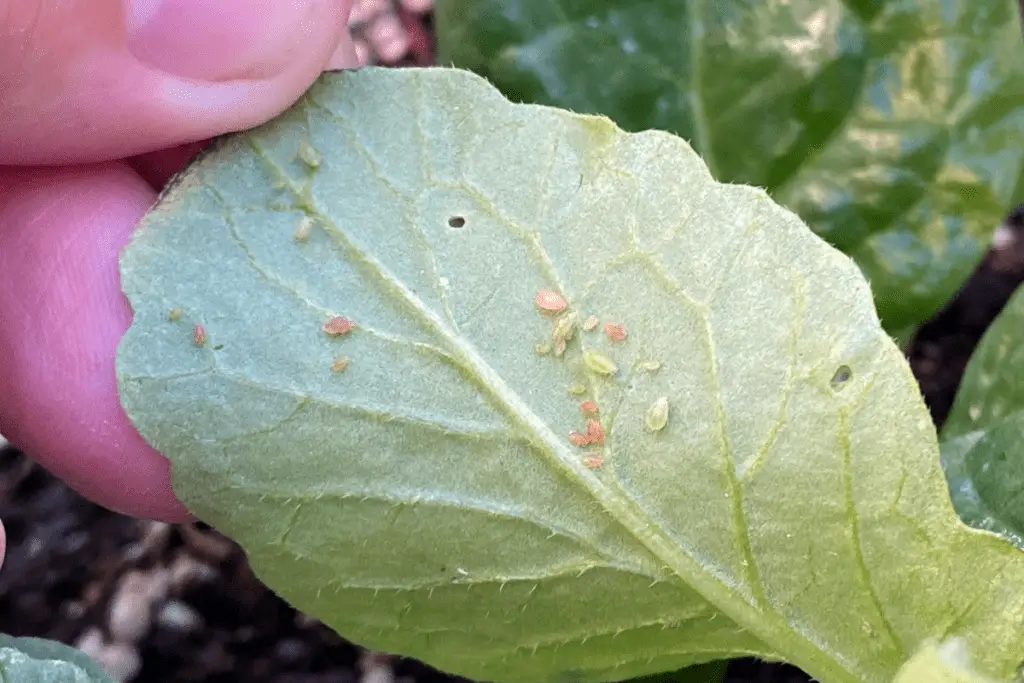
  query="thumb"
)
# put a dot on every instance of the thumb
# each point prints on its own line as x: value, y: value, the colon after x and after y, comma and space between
x: 88, y: 80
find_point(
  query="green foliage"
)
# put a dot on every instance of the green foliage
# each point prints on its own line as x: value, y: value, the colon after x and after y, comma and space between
x: 34, y: 660
x: 983, y: 453
x: 895, y: 128
x: 426, y: 499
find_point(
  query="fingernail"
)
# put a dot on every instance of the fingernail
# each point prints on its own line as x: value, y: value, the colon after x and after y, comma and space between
x: 220, y: 40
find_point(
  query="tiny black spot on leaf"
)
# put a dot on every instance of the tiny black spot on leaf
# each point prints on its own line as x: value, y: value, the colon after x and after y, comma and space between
x: 842, y: 375
x: 456, y: 222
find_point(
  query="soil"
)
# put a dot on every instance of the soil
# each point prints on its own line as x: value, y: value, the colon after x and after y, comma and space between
x: 178, y: 604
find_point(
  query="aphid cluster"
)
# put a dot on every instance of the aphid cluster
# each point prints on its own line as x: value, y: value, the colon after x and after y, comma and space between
x: 338, y: 326
x: 563, y: 329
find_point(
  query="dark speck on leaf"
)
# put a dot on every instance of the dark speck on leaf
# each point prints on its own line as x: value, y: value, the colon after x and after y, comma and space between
x: 842, y: 375
x: 456, y: 222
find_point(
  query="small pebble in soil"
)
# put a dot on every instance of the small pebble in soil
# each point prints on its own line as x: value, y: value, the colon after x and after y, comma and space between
x: 121, y: 662
x: 178, y: 616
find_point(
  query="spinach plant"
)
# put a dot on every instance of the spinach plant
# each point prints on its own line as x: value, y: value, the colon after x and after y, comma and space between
x: 509, y: 390
x: 894, y: 128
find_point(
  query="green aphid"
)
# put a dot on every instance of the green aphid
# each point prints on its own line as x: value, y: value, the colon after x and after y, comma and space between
x: 598, y: 363
x: 310, y: 157
x: 656, y: 416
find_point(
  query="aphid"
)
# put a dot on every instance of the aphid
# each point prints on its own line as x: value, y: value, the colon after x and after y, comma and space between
x: 595, y: 432
x: 175, y: 313
x: 649, y: 365
x: 577, y: 389
x: 339, y: 364
x: 338, y: 326
x: 599, y: 363
x: 303, y: 228
x: 543, y: 348
x: 615, y: 331
x: 559, y: 347
x: 309, y: 155
x: 589, y: 408
x: 578, y: 439
x: 590, y: 323
x: 564, y: 328
x: 199, y: 334
x: 550, y: 302
x: 657, y: 415
x: 593, y: 461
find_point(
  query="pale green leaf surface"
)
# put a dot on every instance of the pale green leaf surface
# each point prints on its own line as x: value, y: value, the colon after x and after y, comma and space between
x: 895, y: 128
x: 946, y: 662
x: 427, y: 500
x: 34, y: 660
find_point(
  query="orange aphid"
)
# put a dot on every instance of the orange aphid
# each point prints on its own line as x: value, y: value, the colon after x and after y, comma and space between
x: 588, y: 408
x: 593, y: 461
x: 577, y: 439
x: 595, y: 432
x: 615, y: 332
x: 199, y: 334
x: 338, y: 326
x: 550, y: 302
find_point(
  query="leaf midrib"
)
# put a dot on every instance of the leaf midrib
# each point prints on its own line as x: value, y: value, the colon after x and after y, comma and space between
x: 768, y: 626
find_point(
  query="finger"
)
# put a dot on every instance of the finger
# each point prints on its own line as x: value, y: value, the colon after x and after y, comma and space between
x: 62, y: 315
x: 156, y: 168
x: 88, y: 80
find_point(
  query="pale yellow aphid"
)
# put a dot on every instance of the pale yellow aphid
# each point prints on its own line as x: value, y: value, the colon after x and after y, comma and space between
x: 649, y: 365
x: 339, y: 364
x: 599, y: 363
x: 303, y: 228
x: 590, y: 323
x: 563, y: 331
x: 657, y: 415
x: 175, y: 313
x: 577, y: 389
x: 550, y: 302
x: 309, y: 155
x: 543, y: 348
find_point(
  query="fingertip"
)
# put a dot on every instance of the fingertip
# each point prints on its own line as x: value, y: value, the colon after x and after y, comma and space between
x: 62, y: 315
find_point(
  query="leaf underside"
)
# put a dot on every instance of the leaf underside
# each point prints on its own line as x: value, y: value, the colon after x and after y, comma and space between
x: 426, y: 499
x: 894, y: 128
x: 35, y: 660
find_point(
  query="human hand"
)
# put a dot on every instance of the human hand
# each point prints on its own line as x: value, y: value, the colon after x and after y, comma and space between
x: 100, y: 102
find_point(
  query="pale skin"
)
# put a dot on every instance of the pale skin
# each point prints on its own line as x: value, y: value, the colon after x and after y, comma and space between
x: 100, y: 101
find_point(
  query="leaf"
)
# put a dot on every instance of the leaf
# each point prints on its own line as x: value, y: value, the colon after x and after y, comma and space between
x: 894, y: 128
x: 428, y: 501
x: 992, y: 388
x: 710, y: 672
x: 35, y: 660
x: 944, y: 663
x: 983, y: 451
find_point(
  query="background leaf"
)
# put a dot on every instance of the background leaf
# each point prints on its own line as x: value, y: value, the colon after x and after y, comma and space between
x: 894, y: 128
x: 427, y: 500
x: 35, y: 660
x: 983, y: 448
